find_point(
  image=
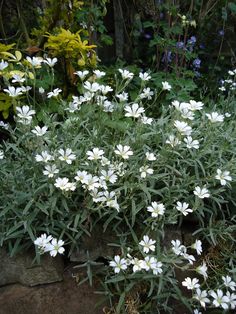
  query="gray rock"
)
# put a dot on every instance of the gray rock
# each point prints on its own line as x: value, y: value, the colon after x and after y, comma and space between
x: 95, y: 246
x: 21, y: 269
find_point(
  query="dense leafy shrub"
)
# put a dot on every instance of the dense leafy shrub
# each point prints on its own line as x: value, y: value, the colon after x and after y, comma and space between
x: 106, y: 157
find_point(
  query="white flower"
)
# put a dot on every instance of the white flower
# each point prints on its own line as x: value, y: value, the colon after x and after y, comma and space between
x: 41, y: 90
x: 219, y: 299
x: 108, y: 106
x: 229, y: 283
x: 64, y: 184
x: 156, y: 209
x: 91, y: 182
x: 183, y: 127
x: 223, y: 176
x: 118, y: 264
x: 43, y: 241
x: 202, y: 270
x: 40, y: 131
x: 195, y: 105
x: 99, y: 74
x: 148, y: 263
x: 184, y: 208
x: 191, y: 284
x: 148, y: 244
x: 196, y: 311
x: 25, y: 114
x: 191, y: 143
x: 146, y: 93
x: 13, y: 92
x: 126, y: 75
x: 104, y: 89
x: 25, y: 89
x: 201, y: 296
x: 189, y: 257
x: 222, y: 88
x: 150, y: 156
x: 145, y: 170
x: 50, y: 62
x: 137, y: 264
x: 166, y: 86
x: 35, y: 61
x: 123, y: 96
x: 91, y: 87
x: 81, y: 74
x: 227, y: 115
x: 197, y: 245
x: 54, y: 93
x: 104, y: 161
x: 173, y: 140
x: 178, y: 248
x: 144, y: 76
x: 55, y: 247
x: 215, y: 117
x: 124, y: 151
x: 232, y: 299
x: 201, y: 192
x: 66, y: 155
x: 134, y: 110
x: 50, y: 171
x: 95, y: 154
x: 3, y: 65
x: 109, y: 176
x: 4, y: 125
x: 44, y: 157
x: 231, y: 72
x: 17, y: 78
x: 187, y: 114
x: 146, y: 120
x: 1, y: 154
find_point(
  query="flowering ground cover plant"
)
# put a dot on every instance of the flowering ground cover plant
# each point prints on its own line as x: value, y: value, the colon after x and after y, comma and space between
x: 102, y: 158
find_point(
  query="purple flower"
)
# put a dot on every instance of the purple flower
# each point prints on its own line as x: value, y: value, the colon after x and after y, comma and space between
x: 197, y: 63
x: 221, y: 33
x: 202, y: 46
x: 147, y: 36
x: 192, y: 40
x: 167, y: 57
x: 180, y: 45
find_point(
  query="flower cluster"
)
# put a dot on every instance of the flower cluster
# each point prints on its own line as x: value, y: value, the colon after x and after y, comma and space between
x: 49, y: 244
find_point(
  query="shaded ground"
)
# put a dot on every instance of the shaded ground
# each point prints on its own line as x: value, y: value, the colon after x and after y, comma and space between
x: 58, y: 298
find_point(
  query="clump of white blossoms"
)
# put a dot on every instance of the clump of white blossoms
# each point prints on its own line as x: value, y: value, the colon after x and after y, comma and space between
x: 49, y: 244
